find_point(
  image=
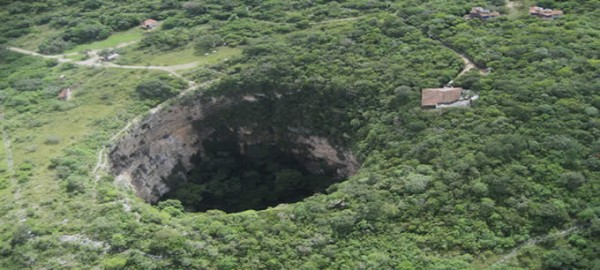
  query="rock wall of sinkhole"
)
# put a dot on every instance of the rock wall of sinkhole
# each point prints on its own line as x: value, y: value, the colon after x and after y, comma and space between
x: 165, y: 142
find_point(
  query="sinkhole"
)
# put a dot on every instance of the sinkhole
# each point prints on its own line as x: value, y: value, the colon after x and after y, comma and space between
x: 231, y: 154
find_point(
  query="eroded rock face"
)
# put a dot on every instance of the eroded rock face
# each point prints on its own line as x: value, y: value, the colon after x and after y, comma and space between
x: 150, y: 151
x: 166, y: 141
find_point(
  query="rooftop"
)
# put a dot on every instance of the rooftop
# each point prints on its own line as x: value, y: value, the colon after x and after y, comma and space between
x: 544, y: 12
x: 435, y: 96
x: 484, y: 13
x: 149, y: 22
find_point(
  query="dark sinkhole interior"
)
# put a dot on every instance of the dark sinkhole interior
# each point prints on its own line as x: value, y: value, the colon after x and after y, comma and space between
x: 232, y: 175
x: 235, y: 153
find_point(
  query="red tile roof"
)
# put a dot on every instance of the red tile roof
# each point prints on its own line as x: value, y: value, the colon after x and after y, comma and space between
x: 544, y: 12
x: 149, y: 22
x: 435, y: 96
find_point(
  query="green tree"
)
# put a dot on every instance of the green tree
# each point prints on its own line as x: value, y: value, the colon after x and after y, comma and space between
x: 155, y: 89
x: 206, y: 43
x: 288, y: 180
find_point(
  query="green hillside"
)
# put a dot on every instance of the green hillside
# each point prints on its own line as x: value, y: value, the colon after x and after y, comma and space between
x: 510, y: 182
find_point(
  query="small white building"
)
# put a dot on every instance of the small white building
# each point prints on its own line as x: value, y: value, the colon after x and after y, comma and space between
x: 111, y: 57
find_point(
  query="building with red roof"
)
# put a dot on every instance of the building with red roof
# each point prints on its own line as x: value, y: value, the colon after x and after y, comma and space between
x: 433, y: 97
x: 545, y: 13
x: 149, y: 24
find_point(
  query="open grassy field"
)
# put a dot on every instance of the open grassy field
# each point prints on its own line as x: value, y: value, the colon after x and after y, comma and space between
x: 44, y: 134
x: 177, y: 57
x: 115, y: 39
x: 41, y: 33
x: 32, y: 40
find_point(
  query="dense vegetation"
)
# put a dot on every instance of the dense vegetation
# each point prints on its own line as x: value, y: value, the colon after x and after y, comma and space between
x: 442, y: 189
x: 233, y: 178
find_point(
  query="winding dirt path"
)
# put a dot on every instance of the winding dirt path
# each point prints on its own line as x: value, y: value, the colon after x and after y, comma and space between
x: 534, y: 241
x: 94, y: 61
x: 469, y: 64
x: 101, y: 166
x: 61, y: 58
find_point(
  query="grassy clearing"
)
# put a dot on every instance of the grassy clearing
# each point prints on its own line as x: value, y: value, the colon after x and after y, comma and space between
x: 100, y: 94
x: 41, y: 33
x: 115, y: 39
x: 178, y: 57
x: 41, y: 136
x: 33, y: 40
x: 101, y: 103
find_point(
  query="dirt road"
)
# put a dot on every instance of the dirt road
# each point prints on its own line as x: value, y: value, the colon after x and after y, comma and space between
x: 94, y: 61
x: 535, y: 241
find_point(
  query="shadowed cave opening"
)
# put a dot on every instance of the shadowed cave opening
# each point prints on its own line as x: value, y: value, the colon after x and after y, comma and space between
x: 233, y: 175
x: 236, y: 153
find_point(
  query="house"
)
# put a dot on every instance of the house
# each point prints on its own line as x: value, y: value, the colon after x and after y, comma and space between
x: 545, y: 13
x: 484, y: 14
x: 110, y: 57
x: 149, y: 24
x: 434, y: 98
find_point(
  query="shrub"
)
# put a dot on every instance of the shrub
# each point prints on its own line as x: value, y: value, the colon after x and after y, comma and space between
x: 52, y: 139
x: 67, y: 66
x: 155, y: 89
x: 54, y: 46
x: 171, y: 206
x: 417, y: 183
x: 18, y: 7
x: 31, y: 84
x: 479, y: 188
x: 194, y: 8
x: 51, y: 62
x: 120, y: 22
x: 92, y: 4
x: 572, y: 180
x: 86, y: 32
x: 75, y: 184
x: 164, y: 40
x: 116, y: 262
x: 207, y: 42
x: 20, y: 235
